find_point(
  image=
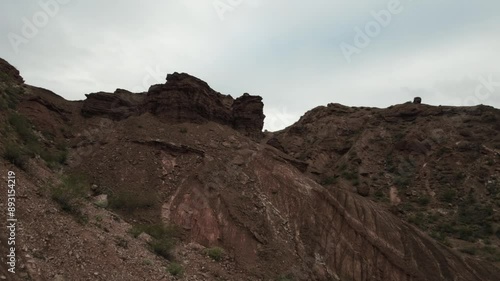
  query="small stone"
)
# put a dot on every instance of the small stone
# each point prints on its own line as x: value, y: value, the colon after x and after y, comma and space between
x: 101, y: 200
x: 59, y: 278
x: 145, y: 237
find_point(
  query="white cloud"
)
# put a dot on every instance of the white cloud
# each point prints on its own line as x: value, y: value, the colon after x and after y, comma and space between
x: 285, y: 51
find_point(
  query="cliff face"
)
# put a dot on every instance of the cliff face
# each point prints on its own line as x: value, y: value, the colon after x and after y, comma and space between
x: 186, y: 156
x: 183, y: 98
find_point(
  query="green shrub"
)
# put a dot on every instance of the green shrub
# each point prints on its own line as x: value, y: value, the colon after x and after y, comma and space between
x: 4, y: 77
x: 175, y: 269
x: 466, y: 232
x: 475, y: 220
x: 448, y: 195
x: 215, y: 253
x: 447, y: 228
x: 10, y: 97
x: 31, y: 146
x: 418, y: 219
x: 287, y: 277
x: 15, y: 154
x: 70, y: 194
x: 351, y: 175
x: 183, y: 130
x: 406, y: 207
x: 329, y: 181
x: 424, y: 200
x: 127, y: 200
x: 402, y: 181
x: 470, y: 251
x: 441, y: 237
x: 163, y: 247
x: 58, y: 157
x: 163, y: 237
x: 22, y: 126
x: 379, y: 194
x: 157, y: 231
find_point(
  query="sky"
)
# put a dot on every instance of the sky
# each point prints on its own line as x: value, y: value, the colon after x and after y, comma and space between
x: 295, y: 54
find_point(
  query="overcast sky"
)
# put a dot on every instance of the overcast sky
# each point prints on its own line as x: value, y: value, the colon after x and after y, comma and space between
x: 295, y: 54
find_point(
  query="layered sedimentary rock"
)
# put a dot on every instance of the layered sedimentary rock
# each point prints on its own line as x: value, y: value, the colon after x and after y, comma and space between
x: 183, y: 98
x: 118, y: 105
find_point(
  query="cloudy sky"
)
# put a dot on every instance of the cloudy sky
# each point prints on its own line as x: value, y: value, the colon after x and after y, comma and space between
x: 295, y: 54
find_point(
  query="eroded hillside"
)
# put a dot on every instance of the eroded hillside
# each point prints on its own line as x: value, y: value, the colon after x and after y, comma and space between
x: 178, y: 184
x: 436, y: 167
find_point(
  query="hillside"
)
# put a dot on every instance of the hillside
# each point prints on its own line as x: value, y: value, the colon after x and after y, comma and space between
x: 436, y: 167
x: 180, y: 183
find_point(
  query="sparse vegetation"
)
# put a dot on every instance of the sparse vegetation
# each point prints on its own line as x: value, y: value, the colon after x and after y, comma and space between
x: 15, y: 154
x: 423, y: 200
x: 163, y: 247
x: 379, y: 194
x: 163, y: 237
x: 175, y: 269
x: 440, y: 237
x: 448, y: 195
x: 121, y: 242
x: 287, y: 277
x: 129, y: 201
x: 476, y: 221
x: 351, y: 176
x: 9, y: 97
x: 470, y: 251
x: 70, y: 194
x: 215, y: 253
x: 329, y: 181
x: 418, y: 219
x: 30, y: 146
x: 183, y: 130
x: 402, y: 181
x: 22, y: 127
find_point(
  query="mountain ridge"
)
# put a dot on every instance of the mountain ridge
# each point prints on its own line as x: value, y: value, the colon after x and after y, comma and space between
x: 187, y: 156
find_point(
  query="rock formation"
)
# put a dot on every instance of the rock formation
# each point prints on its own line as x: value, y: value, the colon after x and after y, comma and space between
x: 9, y: 72
x: 183, y: 98
x: 285, y: 211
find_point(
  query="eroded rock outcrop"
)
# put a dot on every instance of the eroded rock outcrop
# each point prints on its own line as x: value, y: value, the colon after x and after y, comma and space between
x: 183, y: 98
x: 9, y: 72
x: 118, y: 105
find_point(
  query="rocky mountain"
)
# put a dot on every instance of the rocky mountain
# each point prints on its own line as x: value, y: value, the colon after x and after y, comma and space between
x: 180, y: 183
x: 436, y: 167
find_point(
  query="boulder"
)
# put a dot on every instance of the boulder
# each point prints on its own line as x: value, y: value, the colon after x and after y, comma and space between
x: 101, y: 200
